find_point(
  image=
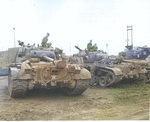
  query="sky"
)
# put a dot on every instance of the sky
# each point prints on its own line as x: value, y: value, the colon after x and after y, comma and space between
x: 75, y: 22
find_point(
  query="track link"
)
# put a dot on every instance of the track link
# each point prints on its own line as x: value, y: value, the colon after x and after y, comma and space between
x: 81, y: 86
x: 19, y: 88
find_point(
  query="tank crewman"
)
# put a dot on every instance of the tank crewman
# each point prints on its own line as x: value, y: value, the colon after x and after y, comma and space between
x: 44, y: 40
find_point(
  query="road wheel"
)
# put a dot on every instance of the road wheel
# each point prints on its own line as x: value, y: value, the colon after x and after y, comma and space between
x: 94, y: 80
x: 110, y: 77
x: 102, y: 81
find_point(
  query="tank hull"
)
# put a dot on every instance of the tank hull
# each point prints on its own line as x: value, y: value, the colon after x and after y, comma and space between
x: 127, y: 69
x: 41, y: 69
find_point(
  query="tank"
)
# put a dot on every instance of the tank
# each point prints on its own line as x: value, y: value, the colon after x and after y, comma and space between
x: 41, y: 69
x: 107, y: 70
x: 86, y: 58
x: 138, y: 53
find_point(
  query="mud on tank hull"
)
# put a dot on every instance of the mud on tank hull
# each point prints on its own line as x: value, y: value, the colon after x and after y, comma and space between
x: 72, y: 78
x: 108, y: 74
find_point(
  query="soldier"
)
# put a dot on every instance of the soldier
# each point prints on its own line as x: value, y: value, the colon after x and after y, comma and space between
x: 44, y: 40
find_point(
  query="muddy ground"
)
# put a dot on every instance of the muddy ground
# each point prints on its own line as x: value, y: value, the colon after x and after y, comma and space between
x: 122, y: 101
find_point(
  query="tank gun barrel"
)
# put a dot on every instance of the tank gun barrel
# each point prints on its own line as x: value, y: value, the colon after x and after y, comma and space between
x: 127, y: 61
x: 141, y: 62
x: 133, y: 61
x: 43, y: 55
x: 47, y: 58
x: 78, y: 48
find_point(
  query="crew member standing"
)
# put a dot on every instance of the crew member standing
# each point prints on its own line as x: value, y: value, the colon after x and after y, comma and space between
x: 44, y: 40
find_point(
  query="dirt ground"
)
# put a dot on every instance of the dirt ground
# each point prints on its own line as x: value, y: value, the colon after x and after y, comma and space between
x: 113, y: 103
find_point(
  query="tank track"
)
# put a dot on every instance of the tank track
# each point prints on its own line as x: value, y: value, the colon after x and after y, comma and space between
x: 116, y: 79
x: 81, y: 86
x: 17, y: 88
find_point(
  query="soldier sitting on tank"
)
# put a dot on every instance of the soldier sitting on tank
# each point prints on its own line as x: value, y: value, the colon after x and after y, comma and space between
x: 44, y: 40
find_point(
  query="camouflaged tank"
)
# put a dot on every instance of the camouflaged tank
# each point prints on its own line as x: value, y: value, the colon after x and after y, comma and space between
x: 108, y: 71
x: 41, y: 69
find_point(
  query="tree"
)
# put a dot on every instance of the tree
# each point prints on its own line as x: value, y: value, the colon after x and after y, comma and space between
x: 122, y: 54
x: 101, y: 51
x: 20, y: 43
x: 48, y: 45
x: 38, y: 45
x: 92, y: 48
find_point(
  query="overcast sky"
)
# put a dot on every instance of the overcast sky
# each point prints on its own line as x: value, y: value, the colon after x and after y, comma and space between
x: 75, y: 22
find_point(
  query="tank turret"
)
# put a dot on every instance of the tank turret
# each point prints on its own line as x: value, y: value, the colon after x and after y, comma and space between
x: 138, y: 53
x: 43, y: 55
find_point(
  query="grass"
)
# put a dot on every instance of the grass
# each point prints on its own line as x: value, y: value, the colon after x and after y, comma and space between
x: 130, y: 102
x: 131, y: 92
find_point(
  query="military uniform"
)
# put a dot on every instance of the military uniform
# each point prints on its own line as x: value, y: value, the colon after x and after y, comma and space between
x: 44, y: 40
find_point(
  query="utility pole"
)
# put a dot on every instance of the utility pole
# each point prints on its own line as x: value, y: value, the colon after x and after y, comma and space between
x: 14, y: 37
x: 129, y: 46
x: 70, y: 48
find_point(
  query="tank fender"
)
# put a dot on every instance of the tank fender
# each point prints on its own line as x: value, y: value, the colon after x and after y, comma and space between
x: 84, y: 74
x: 14, y: 72
x: 18, y: 74
x: 116, y: 71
